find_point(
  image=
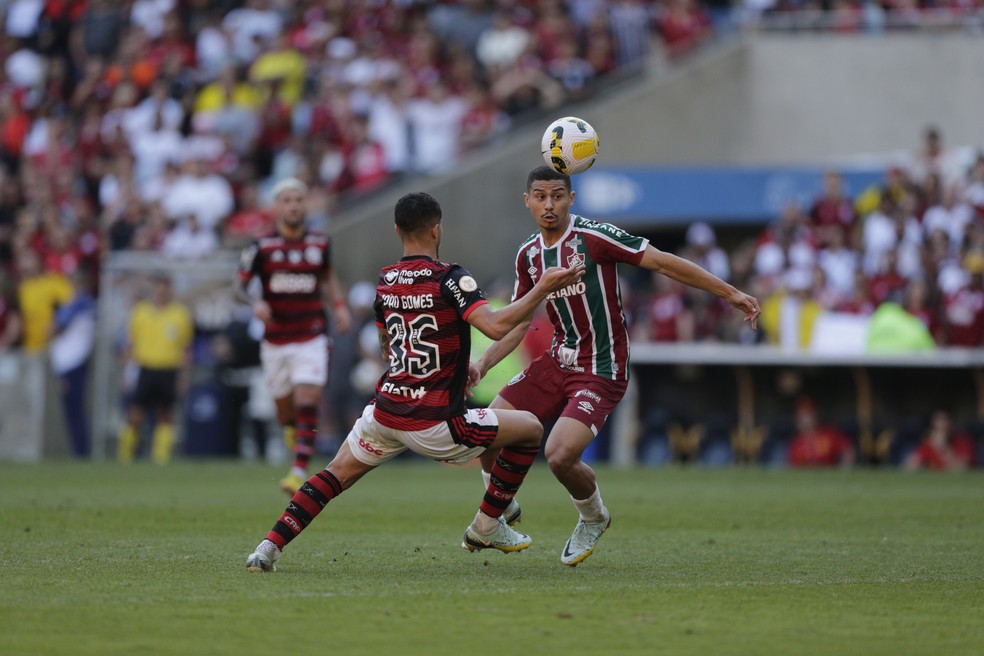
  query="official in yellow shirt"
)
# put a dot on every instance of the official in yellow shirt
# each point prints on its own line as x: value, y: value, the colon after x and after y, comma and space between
x: 160, y: 333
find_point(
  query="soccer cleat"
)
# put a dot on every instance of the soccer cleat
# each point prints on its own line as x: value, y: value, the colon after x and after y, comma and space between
x: 264, y: 558
x: 583, y: 540
x: 291, y: 483
x: 502, y: 538
x: 513, y: 513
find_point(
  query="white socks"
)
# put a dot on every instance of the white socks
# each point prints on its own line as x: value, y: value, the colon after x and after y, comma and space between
x: 484, y: 524
x: 592, y: 509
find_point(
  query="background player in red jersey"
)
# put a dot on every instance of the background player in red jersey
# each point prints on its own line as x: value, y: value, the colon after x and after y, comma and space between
x: 582, y: 377
x: 294, y: 268
x: 424, y: 309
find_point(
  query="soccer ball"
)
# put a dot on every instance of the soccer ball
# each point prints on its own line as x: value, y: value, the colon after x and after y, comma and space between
x: 570, y: 145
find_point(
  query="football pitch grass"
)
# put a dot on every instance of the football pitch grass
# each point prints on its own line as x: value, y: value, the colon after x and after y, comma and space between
x: 108, y: 559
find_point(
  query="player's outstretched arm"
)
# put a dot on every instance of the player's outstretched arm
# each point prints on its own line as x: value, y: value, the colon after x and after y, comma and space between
x: 496, y: 351
x: 496, y: 324
x: 688, y: 273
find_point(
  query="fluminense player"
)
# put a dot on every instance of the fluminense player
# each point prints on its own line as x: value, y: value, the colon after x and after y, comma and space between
x: 297, y: 280
x: 424, y: 310
x: 584, y: 374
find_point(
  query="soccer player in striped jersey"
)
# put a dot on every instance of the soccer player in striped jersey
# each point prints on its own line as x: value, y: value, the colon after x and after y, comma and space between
x: 294, y: 268
x: 424, y: 312
x: 582, y: 377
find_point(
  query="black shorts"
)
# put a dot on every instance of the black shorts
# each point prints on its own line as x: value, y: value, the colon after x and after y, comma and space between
x: 156, y: 388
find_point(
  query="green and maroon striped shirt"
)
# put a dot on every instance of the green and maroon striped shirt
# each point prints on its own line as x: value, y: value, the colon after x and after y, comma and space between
x: 590, y: 333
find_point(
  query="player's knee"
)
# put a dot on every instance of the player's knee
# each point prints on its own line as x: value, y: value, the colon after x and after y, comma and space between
x: 561, y: 459
x: 535, y: 428
x: 530, y: 430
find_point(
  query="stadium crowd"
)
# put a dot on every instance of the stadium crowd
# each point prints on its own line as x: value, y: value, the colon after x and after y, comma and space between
x: 914, y: 242
x: 161, y: 125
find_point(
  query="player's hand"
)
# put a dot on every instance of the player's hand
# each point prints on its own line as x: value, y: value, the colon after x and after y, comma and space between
x: 747, y: 304
x: 342, y: 318
x: 261, y: 310
x: 474, y: 378
x: 556, y: 278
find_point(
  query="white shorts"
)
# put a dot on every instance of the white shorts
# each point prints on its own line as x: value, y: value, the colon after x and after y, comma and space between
x: 297, y: 363
x: 373, y: 444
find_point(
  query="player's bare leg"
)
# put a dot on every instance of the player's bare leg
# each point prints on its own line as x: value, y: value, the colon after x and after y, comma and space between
x: 566, y: 444
x: 285, y: 419
x: 515, y: 446
x: 309, y: 500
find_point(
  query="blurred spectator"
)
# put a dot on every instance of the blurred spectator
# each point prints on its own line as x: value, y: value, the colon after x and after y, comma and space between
x: 948, y: 164
x: 943, y: 447
x: 833, y: 207
x: 250, y: 27
x: 39, y: 296
x: 197, y: 191
x: 435, y: 126
x: 102, y: 26
x: 156, y: 360
x: 702, y: 249
x: 788, y: 315
x: 887, y: 283
x: 282, y: 68
x: 389, y: 123
x: 666, y: 317
x: 189, y: 240
x: 951, y: 216
x: 250, y: 221
x: 630, y: 22
x: 963, y: 309
x: 838, y: 262
x: 893, y: 330
x: 571, y: 70
x: 501, y: 44
x: 365, y: 160
x: 815, y: 444
x: 683, y: 24
x: 11, y: 324
x: 74, y: 335
x: 483, y: 121
x: 784, y: 245
x: 237, y: 355
x: 918, y: 302
x: 974, y: 191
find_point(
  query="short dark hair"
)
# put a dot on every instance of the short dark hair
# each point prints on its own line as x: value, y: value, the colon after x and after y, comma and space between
x: 547, y: 173
x: 416, y: 211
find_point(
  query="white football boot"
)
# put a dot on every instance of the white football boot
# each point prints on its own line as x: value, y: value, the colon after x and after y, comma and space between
x: 502, y: 538
x: 264, y: 558
x: 583, y: 540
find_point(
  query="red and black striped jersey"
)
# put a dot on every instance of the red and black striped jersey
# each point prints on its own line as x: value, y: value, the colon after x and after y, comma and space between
x: 423, y: 305
x: 292, y: 272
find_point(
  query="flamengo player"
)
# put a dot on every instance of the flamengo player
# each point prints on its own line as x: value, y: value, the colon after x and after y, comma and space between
x: 583, y: 376
x: 294, y: 267
x: 424, y: 309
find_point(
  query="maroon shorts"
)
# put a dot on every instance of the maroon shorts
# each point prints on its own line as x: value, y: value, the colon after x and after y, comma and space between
x: 550, y: 392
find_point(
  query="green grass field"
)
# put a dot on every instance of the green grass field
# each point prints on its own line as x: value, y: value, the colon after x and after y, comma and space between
x: 106, y: 559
